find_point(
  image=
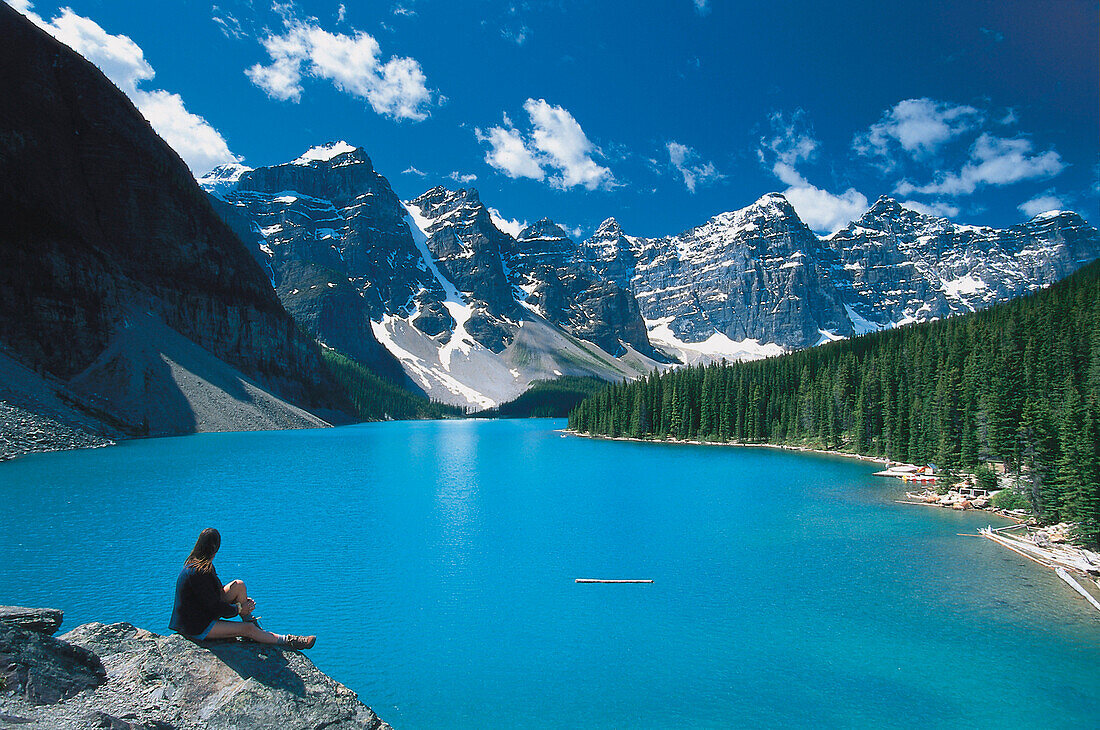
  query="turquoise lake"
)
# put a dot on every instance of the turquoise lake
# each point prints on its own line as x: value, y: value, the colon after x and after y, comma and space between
x: 436, y: 562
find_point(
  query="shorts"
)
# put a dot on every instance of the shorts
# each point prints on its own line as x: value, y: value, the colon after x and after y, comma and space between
x: 202, y: 636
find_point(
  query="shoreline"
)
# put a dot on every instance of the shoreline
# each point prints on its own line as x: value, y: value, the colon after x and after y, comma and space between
x: 1092, y: 576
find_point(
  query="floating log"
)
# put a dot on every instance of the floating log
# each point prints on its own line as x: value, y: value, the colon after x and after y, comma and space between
x: 1077, y: 587
x: 603, y: 580
x: 1008, y: 527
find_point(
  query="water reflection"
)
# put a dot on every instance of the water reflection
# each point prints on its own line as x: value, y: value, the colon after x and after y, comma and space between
x: 458, y: 475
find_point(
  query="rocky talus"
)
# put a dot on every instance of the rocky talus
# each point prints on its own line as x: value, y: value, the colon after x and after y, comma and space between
x: 121, y: 677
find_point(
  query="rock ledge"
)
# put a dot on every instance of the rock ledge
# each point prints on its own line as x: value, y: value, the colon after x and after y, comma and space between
x: 121, y: 677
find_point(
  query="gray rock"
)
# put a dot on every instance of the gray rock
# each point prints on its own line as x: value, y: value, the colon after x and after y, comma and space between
x: 146, y: 681
x: 43, y: 670
x: 42, y: 620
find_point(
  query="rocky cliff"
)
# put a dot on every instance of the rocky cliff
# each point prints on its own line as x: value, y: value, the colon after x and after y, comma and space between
x: 119, y: 677
x: 757, y: 281
x: 895, y: 265
x: 105, y: 228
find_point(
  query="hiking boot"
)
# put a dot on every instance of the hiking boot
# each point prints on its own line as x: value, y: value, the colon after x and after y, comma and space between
x: 299, y: 642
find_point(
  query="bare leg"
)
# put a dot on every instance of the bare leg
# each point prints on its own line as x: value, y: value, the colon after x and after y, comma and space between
x: 231, y: 629
x: 235, y: 592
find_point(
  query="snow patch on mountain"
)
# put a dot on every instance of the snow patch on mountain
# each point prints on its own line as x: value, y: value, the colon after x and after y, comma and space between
x: 968, y: 284
x: 454, y: 302
x: 324, y: 153
x: 861, y: 325
x: 223, y: 177
x: 713, y: 349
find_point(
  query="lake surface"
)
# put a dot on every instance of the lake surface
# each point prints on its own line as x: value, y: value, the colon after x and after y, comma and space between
x: 436, y: 560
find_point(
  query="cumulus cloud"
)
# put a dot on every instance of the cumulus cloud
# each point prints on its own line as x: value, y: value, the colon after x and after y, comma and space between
x: 410, y: 170
x: 945, y: 149
x: 395, y: 88
x: 937, y: 208
x: 792, y: 143
x: 702, y: 6
x: 511, y: 226
x: 462, y: 179
x: 122, y: 60
x: 993, y: 161
x: 683, y: 158
x: 556, y: 149
x: 823, y: 211
x: 917, y: 127
x: 508, y: 152
x: 1041, y: 204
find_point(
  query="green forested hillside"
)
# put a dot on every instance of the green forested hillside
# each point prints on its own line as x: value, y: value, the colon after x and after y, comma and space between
x: 548, y: 398
x: 1018, y: 382
x: 374, y: 398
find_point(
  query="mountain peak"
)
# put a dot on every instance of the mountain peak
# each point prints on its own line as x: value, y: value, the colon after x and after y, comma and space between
x: 544, y: 228
x: 223, y: 177
x: 609, y: 227
x: 771, y: 204
x: 884, y: 204
x: 772, y: 198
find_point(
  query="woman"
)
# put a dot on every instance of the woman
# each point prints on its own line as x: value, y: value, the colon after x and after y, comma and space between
x: 202, y: 602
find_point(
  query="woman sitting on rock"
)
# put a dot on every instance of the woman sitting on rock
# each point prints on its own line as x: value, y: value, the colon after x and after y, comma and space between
x: 202, y: 602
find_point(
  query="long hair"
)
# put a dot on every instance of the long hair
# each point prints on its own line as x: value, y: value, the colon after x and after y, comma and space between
x: 202, y: 555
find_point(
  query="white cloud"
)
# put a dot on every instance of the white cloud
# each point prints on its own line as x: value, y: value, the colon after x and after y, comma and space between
x: 410, y: 170
x: 1041, y: 204
x: 681, y: 156
x: 458, y: 177
x: 402, y: 10
x: 937, y: 208
x: 556, y: 147
x: 341, y: 13
x: 792, y: 143
x: 559, y: 137
x: 191, y: 136
x: 509, y: 153
x: 702, y: 6
x: 511, y: 226
x: 920, y: 127
x: 823, y: 211
x: 993, y: 161
x: 122, y: 60
x: 228, y: 23
x: 396, y: 88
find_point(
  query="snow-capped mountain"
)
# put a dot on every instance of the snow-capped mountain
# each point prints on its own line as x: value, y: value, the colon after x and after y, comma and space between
x: 746, y: 275
x: 757, y: 281
x: 894, y: 265
x: 431, y: 284
x: 473, y: 315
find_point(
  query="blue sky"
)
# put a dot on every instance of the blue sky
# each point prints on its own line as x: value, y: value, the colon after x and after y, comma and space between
x: 658, y: 113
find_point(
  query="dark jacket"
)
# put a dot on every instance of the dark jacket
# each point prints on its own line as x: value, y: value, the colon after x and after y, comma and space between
x: 199, y: 600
